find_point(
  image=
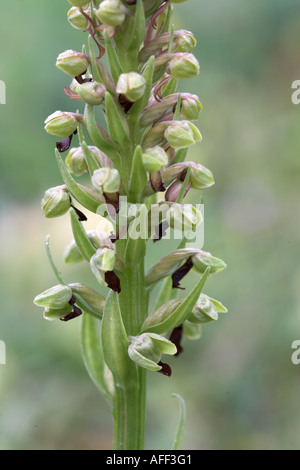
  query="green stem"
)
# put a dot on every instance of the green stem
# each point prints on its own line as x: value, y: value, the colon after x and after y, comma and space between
x: 130, y: 401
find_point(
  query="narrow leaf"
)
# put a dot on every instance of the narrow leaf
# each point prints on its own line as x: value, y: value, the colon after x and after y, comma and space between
x: 115, y: 343
x: 116, y: 120
x: 181, y: 423
x: 183, y: 311
x: 138, y: 178
x: 98, y: 135
x: 75, y: 189
x: 89, y: 157
x: 82, y: 241
x: 92, y: 352
x: 56, y: 271
x: 183, y: 188
x: 113, y: 60
x: 138, y: 31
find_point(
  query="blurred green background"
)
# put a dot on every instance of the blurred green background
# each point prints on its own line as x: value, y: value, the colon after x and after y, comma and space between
x: 240, y: 386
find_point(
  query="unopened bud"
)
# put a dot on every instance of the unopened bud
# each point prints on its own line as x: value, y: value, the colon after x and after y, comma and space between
x: 77, y: 19
x: 56, y: 202
x: 184, y: 42
x: 76, y: 162
x: 204, y: 311
x: 190, y: 107
x: 61, y: 124
x: 182, y: 134
x: 132, y: 85
x: 154, y: 158
x: 146, y: 350
x: 204, y: 259
x: 104, y: 259
x: 184, y: 65
x: 72, y: 63
x: 91, y: 92
x: 101, y: 157
x: 55, y: 297
x: 183, y: 217
x: 201, y: 177
x: 111, y: 12
x: 106, y: 180
x: 72, y: 253
x: 78, y: 3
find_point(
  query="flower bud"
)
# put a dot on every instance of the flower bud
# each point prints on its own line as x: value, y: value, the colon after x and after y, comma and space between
x: 201, y: 177
x: 77, y: 19
x: 182, y: 134
x: 76, y: 162
x: 72, y: 253
x: 190, y: 107
x: 61, y: 124
x: 184, y: 42
x: 183, y: 217
x: 111, y: 12
x: 104, y: 259
x: 53, y: 314
x: 107, y: 180
x: 204, y: 311
x: 132, y: 85
x: 55, y: 297
x: 56, y: 202
x: 184, y: 65
x: 204, y: 259
x: 146, y: 350
x: 100, y: 157
x: 91, y: 92
x: 72, y: 63
x: 78, y: 3
x: 154, y: 158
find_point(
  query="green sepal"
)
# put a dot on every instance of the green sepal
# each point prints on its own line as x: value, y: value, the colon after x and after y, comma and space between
x: 75, y: 189
x: 93, y: 64
x: 116, y: 68
x: 82, y: 241
x: 138, y: 31
x: 138, y: 178
x: 182, y: 312
x: 92, y: 353
x: 116, y: 120
x: 115, y: 344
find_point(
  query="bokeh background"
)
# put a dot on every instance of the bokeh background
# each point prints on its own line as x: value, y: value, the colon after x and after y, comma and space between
x: 240, y: 386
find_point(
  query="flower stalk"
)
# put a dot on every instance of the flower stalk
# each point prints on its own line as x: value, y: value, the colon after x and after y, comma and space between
x: 139, y: 156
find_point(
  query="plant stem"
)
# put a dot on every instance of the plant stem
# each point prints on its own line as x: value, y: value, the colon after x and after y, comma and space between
x: 129, y: 407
